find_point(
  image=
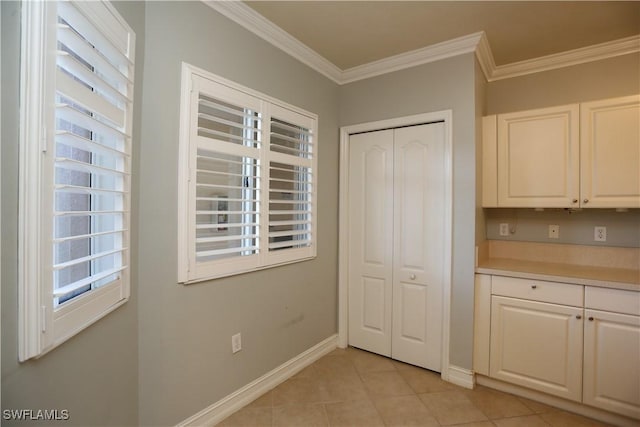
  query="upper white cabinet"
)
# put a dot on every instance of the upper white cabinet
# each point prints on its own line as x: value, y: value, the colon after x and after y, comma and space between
x: 610, y: 153
x: 578, y: 155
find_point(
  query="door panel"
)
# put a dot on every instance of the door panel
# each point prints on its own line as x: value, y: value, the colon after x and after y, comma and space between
x: 370, y: 233
x: 419, y: 244
x: 373, y: 294
x: 413, y: 319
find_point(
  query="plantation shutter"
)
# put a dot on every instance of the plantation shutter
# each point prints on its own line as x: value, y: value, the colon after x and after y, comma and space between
x: 76, y: 111
x: 291, y: 185
x: 226, y: 132
x: 247, y: 180
x: 92, y: 146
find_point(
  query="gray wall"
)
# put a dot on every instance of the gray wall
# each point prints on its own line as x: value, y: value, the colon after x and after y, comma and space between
x: 595, y: 80
x: 93, y: 375
x: 447, y: 84
x: 185, y: 332
x: 623, y: 228
x: 586, y: 82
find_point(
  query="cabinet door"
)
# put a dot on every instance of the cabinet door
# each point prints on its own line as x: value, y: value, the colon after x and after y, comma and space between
x: 537, y: 345
x: 610, y: 153
x: 538, y: 158
x: 612, y: 362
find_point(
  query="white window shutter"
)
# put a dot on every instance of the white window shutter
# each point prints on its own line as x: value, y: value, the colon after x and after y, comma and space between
x: 247, y: 180
x: 291, y: 194
x: 225, y: 143
x: 85, y: 96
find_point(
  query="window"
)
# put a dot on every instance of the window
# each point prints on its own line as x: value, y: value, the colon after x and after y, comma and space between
x: 247, y: 180
x: 75, y: 147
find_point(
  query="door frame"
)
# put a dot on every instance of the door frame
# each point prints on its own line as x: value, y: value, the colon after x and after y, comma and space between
x: 343, y: 243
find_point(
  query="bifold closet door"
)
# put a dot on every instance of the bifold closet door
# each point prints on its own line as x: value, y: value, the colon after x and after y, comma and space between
x: 371, y: 240
x: 418, y: 241
x: 396, y: 243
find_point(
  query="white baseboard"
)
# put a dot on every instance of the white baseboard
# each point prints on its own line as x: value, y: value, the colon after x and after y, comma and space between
x: 460, y: 376
x: 247, y: 394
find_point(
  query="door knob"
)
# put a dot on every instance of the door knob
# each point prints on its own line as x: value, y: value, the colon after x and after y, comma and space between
x: 412, y: 277
x: 585, y: 201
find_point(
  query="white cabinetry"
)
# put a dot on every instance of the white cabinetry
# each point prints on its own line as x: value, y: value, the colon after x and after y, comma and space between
x: 533, y: 343
x: 580, y: 343
x: 578, y: 155
x: 612, y: 350
x: 610, y: 153
x: 538, y: 157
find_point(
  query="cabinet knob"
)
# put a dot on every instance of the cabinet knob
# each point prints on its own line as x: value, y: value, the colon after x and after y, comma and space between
x: 578, y: 317
x: 591, y: 318
x: 585, y: 201
x: 575, y: 201
x: 534, y: 286
x: 412, y: 277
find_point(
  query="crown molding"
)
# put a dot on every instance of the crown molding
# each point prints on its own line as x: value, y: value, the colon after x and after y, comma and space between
x: 436, y: 52
x: 251, y: 20
x: 583, y: 55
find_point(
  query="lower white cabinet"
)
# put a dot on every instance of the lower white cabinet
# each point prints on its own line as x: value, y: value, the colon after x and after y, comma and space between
x: 537, y: 345
x: 612, y: 351
x: 580, y: 343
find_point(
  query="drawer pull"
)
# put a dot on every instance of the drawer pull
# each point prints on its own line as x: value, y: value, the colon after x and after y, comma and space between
x: 590, y: 318
x: 534, y: 286
x: 412, y: 277
x: 578, y: 317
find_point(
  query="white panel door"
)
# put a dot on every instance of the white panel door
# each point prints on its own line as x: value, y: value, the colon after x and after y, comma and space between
x: 370, y: 240
x: 418, y: 244
x: 612, y: 362
x: 396, y: 242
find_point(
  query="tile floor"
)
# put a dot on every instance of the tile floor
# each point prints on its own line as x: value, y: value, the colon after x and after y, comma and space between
x: 352, y: 387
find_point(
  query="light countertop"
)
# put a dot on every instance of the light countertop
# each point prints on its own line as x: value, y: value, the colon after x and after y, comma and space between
x: 617, y: 278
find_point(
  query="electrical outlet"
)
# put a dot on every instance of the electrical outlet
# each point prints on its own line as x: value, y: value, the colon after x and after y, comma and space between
x: 600, y: 234
x: 504, y: 229
x: 236, y: 343
x: 554, y: 231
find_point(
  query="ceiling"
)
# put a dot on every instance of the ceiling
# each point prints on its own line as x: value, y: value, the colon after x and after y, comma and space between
x: 353, y: 33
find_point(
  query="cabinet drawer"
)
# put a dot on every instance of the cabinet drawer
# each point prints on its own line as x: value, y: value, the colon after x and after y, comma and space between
x: 536, y: 290
x: 616, y: 300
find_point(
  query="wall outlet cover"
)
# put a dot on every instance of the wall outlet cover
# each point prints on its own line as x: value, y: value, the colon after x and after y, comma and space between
x: 600, y: 234
x: 236, y: 343
x: 504, y: 229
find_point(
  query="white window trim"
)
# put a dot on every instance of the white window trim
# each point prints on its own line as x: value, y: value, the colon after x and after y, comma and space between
x: 188, y: 271
x: 41, y: 328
